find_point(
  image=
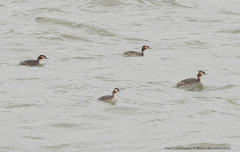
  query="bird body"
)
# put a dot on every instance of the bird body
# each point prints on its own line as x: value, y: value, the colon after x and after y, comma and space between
x: 34, y: 62
x: 191, y: 81
x: 133, y: 53
x: 110, y: 98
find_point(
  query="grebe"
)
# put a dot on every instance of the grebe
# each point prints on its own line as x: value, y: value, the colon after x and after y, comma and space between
x: 192, y: 80
x: 34, y: 62
x: 133, y: 53
x: 110, y: 98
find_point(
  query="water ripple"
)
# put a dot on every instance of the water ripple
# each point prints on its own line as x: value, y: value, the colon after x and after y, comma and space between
x: 72, y: 37
x: 47, y: 9
x: 20, y: 106
x: 45, y: 20
x: 90, y: 29
x: 31, y: 137
x: 235, y: 31
x: 209, y: 145
x: 231, y: 101
x: 199, y: 44
x: 66, y: 125
x: 177, y: 4
x: 225, y: 87
x: 105, y: 3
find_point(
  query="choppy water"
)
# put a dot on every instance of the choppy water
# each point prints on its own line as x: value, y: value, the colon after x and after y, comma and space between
x: 54, y: 107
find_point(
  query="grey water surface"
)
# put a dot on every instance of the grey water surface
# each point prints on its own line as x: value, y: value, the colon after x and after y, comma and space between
x: 54, y: 107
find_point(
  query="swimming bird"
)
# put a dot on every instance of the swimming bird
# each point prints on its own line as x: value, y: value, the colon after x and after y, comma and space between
x: 110, y: 98
x: 133, y: 53
x: 34, y: 62
x: 191, y: 81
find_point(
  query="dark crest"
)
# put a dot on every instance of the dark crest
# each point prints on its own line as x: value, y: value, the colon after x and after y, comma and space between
x: 145, y: 47
x: 42, y: 57
x: 201, y: 72
x: 117, y: 89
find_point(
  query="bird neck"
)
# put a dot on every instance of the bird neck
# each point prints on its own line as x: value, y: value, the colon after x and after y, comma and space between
x: 143, y: 52
x: 199, y: 78
x: 114, y: 94
x: 40, y: 61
